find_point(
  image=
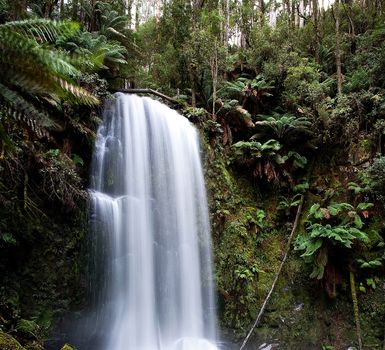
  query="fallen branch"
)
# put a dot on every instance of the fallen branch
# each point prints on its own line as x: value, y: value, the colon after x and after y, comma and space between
x: 299, y: 210
x: 355, y: 308
x: 147, y: 91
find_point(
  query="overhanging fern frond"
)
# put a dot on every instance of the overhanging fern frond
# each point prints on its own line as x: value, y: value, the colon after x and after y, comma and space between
x: 31, y: 72
x: 78, y: 93
x: 43, y: 30
x: 20, y: 109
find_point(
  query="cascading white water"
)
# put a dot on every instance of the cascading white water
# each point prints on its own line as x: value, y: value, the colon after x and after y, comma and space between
x: 150, y: 212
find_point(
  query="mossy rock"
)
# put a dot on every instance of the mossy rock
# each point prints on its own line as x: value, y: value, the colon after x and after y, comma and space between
x: 7, y: 342
x: 67, y: 347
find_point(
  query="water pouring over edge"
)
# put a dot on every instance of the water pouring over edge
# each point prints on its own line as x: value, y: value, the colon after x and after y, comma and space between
x: 153, y: 269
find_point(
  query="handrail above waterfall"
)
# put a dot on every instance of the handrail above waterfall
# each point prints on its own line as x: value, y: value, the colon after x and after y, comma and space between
x: 147, y: 91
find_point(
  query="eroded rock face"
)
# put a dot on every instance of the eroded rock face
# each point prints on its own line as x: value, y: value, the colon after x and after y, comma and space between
x: 7, y: 342
x: 249, y: 233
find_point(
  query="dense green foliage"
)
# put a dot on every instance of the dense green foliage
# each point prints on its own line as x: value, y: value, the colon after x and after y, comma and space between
x: 286, y: 107
x: 341, y: 233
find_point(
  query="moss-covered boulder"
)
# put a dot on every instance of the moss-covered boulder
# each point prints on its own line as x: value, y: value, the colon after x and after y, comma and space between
x: 7, y: 342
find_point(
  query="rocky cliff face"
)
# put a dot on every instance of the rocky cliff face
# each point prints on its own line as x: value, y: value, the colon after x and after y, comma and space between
x: 251, y: 221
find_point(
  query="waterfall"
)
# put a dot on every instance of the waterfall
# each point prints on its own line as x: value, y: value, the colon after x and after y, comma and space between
x: 149, y: 214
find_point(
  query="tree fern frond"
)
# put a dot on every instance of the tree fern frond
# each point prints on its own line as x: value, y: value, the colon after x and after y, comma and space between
x: 98, y: 50
x: 80, y: 94
x: 32, y: 72
x: 112, y: 24
x: 17, y: 50
x: 118, y: 21
x: 115, y: 32
x: 284, y: 125
x: 42, y: 30
x: 6, y: 143
x: 20, y: 109
x: 47, y: 72
x: 36, y: 75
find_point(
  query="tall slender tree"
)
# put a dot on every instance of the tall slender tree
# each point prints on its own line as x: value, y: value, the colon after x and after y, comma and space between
x: 317, y: 36
x: 338, y: 46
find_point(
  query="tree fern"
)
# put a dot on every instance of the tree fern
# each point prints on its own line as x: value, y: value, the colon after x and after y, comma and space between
x: 267, y: 159
x: 253, y: 149
x: 112, y: 24
x: 282, y: 126
x: 98, y: 49
x: 337, y: 225
x: 30, y: 67
x: 243, y: 86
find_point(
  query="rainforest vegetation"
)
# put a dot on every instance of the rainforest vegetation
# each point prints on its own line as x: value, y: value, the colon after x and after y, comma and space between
x: 289, y: 97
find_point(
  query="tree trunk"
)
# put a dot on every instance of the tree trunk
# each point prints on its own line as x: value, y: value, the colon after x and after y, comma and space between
x: 262, y: 11
x: 352, y: 30
x: 75, y: 7
x: 288, y: 11
x: 317, y: 36
x: 214, y: 75
x: 82, y: 13
x: 18, y: 9
x: 192, y: 74
x: 128, y: 12
x: 338, y: 47
x: 61, y: 9
x: 93, y: 16
x: 196, y: 9
x: 137, y: 16
x: 273, y: 14
x: 355, y: 309
x: 227, y: 23
x: 301, y: 12
x: 49, y: 7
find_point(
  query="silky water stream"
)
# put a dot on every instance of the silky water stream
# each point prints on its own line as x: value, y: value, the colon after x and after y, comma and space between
x: 153, y: 286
